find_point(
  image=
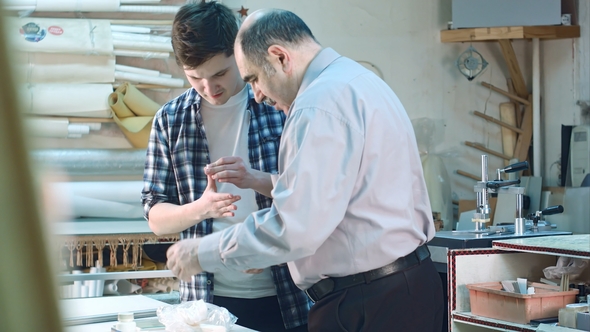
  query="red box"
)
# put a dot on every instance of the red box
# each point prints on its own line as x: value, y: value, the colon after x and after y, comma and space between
x: 489, y: 300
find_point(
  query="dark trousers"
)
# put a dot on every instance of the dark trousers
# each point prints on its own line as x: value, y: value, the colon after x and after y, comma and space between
x: 406, y: 301
x: 262, y: 314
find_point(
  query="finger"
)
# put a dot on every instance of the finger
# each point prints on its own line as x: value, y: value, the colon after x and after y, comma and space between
x: 211, y: 185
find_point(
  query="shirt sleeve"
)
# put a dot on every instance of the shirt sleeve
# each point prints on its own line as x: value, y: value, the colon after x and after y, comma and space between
x: 319, y: 158
x: 158, y: 182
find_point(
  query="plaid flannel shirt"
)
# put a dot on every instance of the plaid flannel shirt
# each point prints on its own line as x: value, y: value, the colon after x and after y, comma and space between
x: 176, y: 154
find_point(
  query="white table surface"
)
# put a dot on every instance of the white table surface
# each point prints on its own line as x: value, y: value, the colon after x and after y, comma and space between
x: 81, y: 308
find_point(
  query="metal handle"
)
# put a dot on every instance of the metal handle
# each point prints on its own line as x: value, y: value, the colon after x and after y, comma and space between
x: 498, y: 184
x: 516, y: 167
x: 552, y: 210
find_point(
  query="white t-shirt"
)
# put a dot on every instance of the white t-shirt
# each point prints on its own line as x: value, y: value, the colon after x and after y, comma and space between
x: 226, y: 127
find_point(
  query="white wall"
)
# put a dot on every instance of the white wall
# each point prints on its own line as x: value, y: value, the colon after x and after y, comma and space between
x: 402, y: 38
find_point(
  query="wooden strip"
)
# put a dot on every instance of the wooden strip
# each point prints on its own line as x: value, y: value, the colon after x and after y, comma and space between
x: 523, y: 142
x: 505, y: 93
x: 518, y: 32
x: 81, y: 119
x: 517, y: 106
x: 513, y: 68
x: 498, y: 122
x: 509, y: 137
x: 469, y: 175
x: 484, y: 149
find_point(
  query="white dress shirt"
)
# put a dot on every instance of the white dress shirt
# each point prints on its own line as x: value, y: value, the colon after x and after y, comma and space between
x: 350, y: 195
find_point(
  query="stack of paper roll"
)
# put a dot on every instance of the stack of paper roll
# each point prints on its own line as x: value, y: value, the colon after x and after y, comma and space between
x: 137, y: 41
x: 133, y: 112
x: 86, y: 288
x: 58, y: 127
x: 146, y: 76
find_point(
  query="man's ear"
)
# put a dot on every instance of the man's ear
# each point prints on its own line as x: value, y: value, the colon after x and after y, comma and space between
x: 280, y: 56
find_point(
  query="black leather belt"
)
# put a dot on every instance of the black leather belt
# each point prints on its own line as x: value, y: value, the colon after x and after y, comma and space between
x: 326, y: 286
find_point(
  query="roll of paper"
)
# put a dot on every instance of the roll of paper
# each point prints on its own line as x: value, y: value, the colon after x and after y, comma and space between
x: 137, y: 70
x: 47, y: 127
x: 129, y: 28
x: 149, y: 9
x: 118, y: 106
x: 102, y: 199
x: 141, y: 36
x: 171, y: 82
x: 65, y: 68
x: 142, y: 54
x: 77, y: 5
x: 60, y: 35
x: 142, y: 45
x: 84, y: 100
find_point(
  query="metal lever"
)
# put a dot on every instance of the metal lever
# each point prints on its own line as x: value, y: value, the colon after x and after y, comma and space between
x: 498, y: 184
x: 552, y: 210
x: 511, y: 169
x: 535, y: 217
x: 516, y: 167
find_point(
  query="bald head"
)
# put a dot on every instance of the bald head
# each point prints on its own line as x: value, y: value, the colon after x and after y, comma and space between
x: 266, y: 27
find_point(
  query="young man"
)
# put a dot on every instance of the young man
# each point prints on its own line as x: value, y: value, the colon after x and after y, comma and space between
x: 217, y: 121
x: 350, y: 211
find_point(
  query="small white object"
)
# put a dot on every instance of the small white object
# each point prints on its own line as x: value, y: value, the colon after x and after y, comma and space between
x: 125, y: 322
x: 83, y: 291
x: 522, y: 285
x: 566, y: 19
x: 530, y: 290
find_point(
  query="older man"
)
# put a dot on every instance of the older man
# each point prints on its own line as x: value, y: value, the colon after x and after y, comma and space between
x: 351, y: 213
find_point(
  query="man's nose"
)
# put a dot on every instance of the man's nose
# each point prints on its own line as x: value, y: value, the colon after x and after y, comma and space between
x: 258, y: 95
x: 209, y: 87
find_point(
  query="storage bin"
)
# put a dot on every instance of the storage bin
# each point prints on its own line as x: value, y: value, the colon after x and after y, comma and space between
x: 489, y: 300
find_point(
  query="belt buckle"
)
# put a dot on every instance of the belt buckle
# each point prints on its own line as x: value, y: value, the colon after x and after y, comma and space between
x: 311, y: 294
x: 320, y: 289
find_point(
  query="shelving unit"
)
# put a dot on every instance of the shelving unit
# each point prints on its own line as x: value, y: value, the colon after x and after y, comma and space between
x: 507, y: 259
x: 518, y: 32
x: 528, y: 121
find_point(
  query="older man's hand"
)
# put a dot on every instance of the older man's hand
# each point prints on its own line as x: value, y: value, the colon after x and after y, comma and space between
x: 183, y: 259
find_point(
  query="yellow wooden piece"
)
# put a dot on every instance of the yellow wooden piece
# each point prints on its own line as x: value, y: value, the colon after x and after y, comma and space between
x: 496, y: 33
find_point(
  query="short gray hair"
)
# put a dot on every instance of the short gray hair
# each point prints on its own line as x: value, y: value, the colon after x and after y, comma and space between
x: 278, y: 27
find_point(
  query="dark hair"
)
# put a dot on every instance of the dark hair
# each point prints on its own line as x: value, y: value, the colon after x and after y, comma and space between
x: 277, y: 27
x: 201, y: 31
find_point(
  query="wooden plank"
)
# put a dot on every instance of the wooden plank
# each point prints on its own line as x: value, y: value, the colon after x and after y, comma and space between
x: 517, y: 32
x: 469, y: 175
x: 523, y: 142
x: 490, y: 151
x: 557, y: 32
x: 507, y: 126
x: 509, y: 137
x: 517, y: 107
x: 505, y: 93
x: 513, y: 68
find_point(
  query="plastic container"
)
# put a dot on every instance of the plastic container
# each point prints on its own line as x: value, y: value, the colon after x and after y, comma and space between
x: 489, y: 300
x: 125, y: 322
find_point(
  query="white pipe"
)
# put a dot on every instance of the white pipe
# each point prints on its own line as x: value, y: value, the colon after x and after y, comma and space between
x: 537, y: 154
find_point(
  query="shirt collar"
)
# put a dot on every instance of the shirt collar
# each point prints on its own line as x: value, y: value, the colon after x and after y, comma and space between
x: 322, y: 60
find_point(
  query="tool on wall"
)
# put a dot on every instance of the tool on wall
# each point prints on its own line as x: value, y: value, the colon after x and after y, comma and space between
x: 471, y: 63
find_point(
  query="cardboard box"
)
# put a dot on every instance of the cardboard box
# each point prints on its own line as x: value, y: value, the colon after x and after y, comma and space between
x: 489, y: 300
x: 502, y: 13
